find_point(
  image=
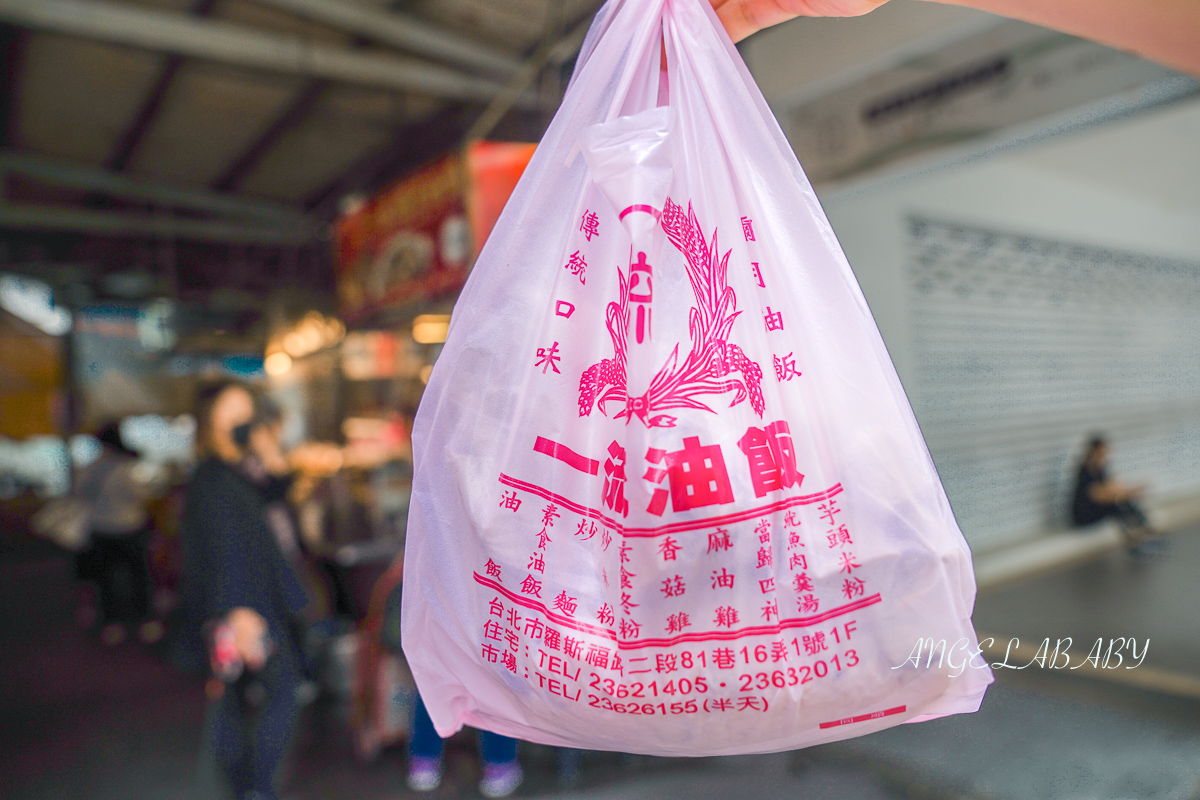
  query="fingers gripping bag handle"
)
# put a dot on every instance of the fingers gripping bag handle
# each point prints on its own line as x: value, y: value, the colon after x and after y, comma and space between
x: 669, y: 497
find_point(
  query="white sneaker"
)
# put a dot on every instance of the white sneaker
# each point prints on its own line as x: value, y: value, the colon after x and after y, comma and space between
x: 424, y: 774
x: 501, y: 780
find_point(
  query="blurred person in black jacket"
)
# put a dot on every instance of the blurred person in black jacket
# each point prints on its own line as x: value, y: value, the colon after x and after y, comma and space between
x: 238, y: 582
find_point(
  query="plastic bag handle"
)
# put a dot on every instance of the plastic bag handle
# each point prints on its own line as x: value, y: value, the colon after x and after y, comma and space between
x: 647, y: 43
x: 660, y: 31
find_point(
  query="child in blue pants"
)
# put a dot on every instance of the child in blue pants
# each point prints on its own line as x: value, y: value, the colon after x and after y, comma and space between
x: 501, y: 772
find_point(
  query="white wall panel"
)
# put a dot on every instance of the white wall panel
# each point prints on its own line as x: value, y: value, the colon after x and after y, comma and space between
x: 1023, y: 345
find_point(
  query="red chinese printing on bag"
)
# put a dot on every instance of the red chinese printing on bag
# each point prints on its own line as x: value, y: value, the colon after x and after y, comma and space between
x: 669, y: 496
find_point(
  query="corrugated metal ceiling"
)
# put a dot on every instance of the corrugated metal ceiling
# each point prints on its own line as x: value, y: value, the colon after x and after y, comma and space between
x: 76, y: 99
x: 113, y: 139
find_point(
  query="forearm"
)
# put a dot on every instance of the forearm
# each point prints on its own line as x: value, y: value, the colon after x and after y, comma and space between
x: 1111, y: 492
x: 744, y: 17
x: 1167, y: 31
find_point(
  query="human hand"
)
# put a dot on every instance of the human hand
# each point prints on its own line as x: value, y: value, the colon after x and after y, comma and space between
x: 249, y: 636
x: 317, y: 458
x: 264, y: 443
x: 744, y: 17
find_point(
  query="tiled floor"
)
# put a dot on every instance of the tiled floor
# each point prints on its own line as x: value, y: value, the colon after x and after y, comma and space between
x: 81, y: 720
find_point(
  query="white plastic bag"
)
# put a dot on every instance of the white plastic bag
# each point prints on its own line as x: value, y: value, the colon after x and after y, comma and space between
x: 669, y: 496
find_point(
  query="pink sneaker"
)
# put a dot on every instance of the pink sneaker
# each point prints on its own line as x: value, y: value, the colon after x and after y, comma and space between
x: 424, y: 774
x: 501, y: 780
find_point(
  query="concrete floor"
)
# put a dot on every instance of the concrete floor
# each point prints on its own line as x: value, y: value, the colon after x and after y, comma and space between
x: 81, y: 720
x: 1109, y: 597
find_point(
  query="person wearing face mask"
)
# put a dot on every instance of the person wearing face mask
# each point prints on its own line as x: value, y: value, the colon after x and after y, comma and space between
x: 241, y: 588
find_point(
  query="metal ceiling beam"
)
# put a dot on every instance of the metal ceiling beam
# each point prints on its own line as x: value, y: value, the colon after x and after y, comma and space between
x: 404, y: 32
x: 104, y: 223
x: 301, y: 106
x: 143, y: 120
x: 12, y: 51
x: 135, y: 132
x: 549, y: 52
x: 412, y: 144
x: 243, y: 46
x: 114, y: 184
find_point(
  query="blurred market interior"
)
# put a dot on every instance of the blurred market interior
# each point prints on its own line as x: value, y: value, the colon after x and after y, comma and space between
x: 292, y: 193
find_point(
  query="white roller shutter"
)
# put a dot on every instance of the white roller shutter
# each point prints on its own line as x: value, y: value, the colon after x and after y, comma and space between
x: 1023, y: 346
